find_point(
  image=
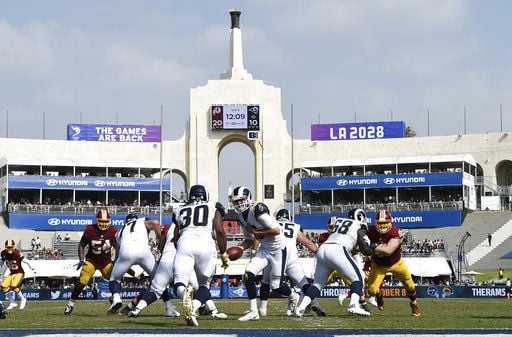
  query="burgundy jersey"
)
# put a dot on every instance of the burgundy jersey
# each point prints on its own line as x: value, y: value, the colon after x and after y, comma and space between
x: 378, y: 238
x: 13, y: 261
x: 100, y: 245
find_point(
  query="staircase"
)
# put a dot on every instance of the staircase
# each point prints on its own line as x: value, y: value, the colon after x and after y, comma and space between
x: 69, y: 248
x: 483, y: 248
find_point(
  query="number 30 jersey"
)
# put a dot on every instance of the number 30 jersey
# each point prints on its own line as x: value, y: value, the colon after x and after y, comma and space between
x: 344, y: 232
x: 195, y: 220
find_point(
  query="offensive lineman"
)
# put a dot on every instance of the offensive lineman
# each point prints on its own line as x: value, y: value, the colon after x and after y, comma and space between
x: 293, y: 235
x: 133, y: 246
x: 335, y: 254
x: 197, y: 223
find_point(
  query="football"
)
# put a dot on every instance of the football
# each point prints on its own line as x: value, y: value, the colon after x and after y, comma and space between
x: 235, y: 253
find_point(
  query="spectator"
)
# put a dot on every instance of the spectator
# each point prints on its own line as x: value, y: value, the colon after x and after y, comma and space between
x: 67, y: 237
x: 58, y: 239
x: 500, y: 273
x: 38, y: 243
x: 489, y: 238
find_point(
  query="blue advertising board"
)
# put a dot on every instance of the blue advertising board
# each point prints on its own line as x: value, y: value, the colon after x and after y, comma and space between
x: 438, y: 292
x: 357, y: 131
x: 114, y: 133
x: 403, y: 220
x: 87, y: 183
x: 382, y: 181
x: 64, y: 222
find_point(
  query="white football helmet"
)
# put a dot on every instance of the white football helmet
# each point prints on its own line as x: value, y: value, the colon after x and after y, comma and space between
x: 242, y: 198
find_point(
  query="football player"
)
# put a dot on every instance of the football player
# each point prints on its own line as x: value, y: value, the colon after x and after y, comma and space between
x: 198, y: 222
x: 335, y: 254
x: 387, y: 258
x: 293, y: 235
x: 3, y: 311
x: 134, y: 249
x: 258, y: 224
x: 11, y: 284
x: 100, y: 241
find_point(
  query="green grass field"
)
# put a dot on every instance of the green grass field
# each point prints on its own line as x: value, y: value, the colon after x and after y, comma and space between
x: 435, y: 314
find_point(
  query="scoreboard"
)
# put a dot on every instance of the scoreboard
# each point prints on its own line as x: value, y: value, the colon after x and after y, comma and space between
x: 235, y: 117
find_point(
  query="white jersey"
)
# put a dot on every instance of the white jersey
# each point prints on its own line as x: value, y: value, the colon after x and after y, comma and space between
x: 196, y: 252
x: 293, y: 267
x: 335, y: 253
x: 344, y: 232
x: 272, y: 253
x: 134, y: 249
x: 195, y: 221
x: 258, y: 216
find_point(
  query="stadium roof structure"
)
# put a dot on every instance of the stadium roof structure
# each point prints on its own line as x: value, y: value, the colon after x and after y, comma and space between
x: 81, y: 162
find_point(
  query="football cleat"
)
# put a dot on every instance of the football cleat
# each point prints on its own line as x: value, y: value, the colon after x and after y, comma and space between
x: 188, y: 307
x: 299, y: 312
x: 114, y: 308
x: 23, y: 302
x: 219, y: 315
x: 68, y: 310
x: 380, y: 301
x: 372, y: 301
x: 250, y: 316
x: 341, y: 298
x: 355, y: 309
x: 320, y: 312
x: 3, y: 311
x: 415, y: 309
x: 293, y: 300
x: 125, y: 310
x: 262, y: 311
x: 133, y: 313
x: 172, y: 313
x: 12, y: 306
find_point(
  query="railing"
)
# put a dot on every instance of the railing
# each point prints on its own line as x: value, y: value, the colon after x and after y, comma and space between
x: 84, y: 209
x: 392, y: 207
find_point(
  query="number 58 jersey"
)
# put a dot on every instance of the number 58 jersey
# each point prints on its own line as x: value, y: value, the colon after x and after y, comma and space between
x: 344, y: 232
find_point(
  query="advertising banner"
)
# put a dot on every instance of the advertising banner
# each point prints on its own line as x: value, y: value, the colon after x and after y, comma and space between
x: 64, y: 222
x: 114, y: 133
x: 382, y: 181
x: 403, y: 220
x: 440, y: 292
x: 88, y: 183
x: 357, y: 131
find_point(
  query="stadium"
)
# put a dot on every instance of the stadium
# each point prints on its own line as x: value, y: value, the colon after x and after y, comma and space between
x: 452, y: 188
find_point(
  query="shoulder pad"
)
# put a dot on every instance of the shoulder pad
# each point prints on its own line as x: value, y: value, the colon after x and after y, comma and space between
x: 220, y: 208
x: 260, y: 208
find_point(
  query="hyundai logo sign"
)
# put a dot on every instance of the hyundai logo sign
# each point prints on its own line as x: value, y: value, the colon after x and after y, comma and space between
x: 99, y: 183
x: 342, y: 182
x: 52, y: 182
x: 389, y: 181
x: 53, y: 222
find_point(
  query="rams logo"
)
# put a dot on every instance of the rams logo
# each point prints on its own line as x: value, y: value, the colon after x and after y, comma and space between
x: 447, y: 291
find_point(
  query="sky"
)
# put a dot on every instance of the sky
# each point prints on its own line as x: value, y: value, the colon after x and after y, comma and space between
x: 441, y: 66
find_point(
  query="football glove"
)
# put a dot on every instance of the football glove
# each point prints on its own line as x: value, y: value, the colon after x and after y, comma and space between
x: 225, y: 259
x: 79, y: 265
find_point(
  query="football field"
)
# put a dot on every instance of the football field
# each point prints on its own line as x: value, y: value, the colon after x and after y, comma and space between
x: 438, y: 317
